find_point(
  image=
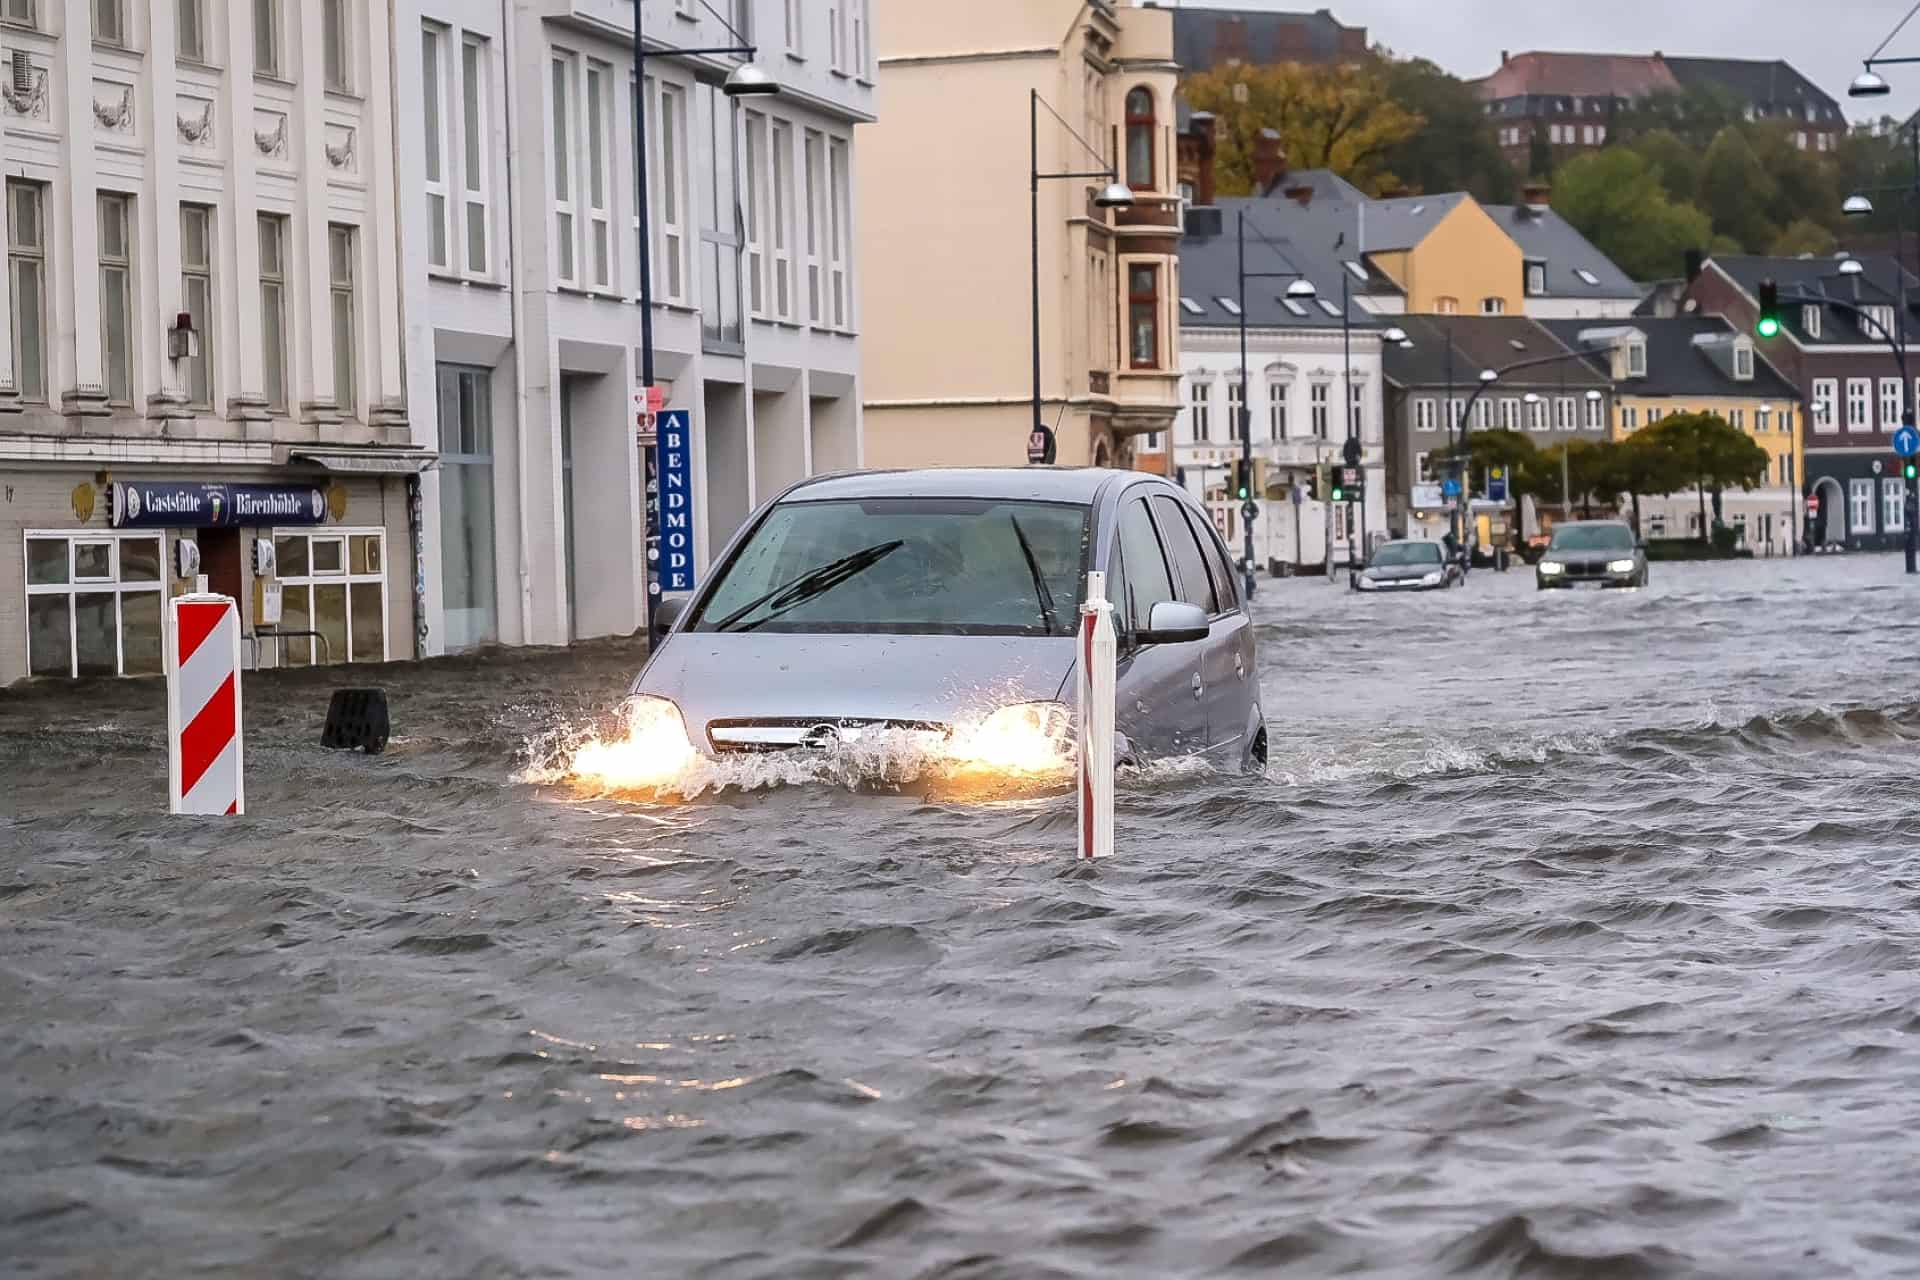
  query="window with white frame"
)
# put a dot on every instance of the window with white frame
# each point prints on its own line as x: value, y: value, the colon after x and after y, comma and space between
x: 1277, y: 408
x: 116, y: 295
x: 1200, y: 396
x: 433, y: 97
x: 837, y: 35
x: 336, y: 45
x: 1860, y: 506
x: 839, y: 245
x: 196, y: 288
x: 17, y: 11
x: 272, y: 231
x: 1565, y: 417
x: 1456, y: 412
x: 476, y: 101
x: 342, y: 269
x: 1493, y: 306
x: 756, y: 214
x: 599, y: 111
x: 1234, y: 406
x: 1596, y: 414
x: 1636, y: 357
x: 27, y: 287
x: 566, y: 218
x: 1743, y: 361
x: 1510, y: 414
x: 110, y: 21
x: 1785, y: 468
x: 1825, y: 391
x: 1424, y: 416
x: 816, y: 166
x: 1536, y: 415
x: 1879, y: 322
x: 796, y: 29
x: 266, y: 37
x: 1889, y: 403
x: 1893, y: 504
x: 93, y: 603
x: 1483, y: 414
x: 666, y: 196
x: 190, y: 30
x: 1859, y: 404
x: 857, y: 54
x: 1737, y: 419
x: 1810, y: 319
x: 1629, y: 417
x: 333, y: 582
x: 781, y: 187
x: 1357, y: 405
x: 1654, y: 415
x: 1318, y: 397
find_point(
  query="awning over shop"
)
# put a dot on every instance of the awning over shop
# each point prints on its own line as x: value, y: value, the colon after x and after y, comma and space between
x: 367, y: 462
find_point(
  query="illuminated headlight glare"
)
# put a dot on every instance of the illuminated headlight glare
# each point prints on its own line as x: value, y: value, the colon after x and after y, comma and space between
x: 1431, y: 579
x: 1621, y: 566
x: 655, y: 750
x: 1024, y: 737
x: 1551, y: 567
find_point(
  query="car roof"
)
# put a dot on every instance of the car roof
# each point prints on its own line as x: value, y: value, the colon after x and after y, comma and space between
x: 1590, y: 524
x: 1035, y: 484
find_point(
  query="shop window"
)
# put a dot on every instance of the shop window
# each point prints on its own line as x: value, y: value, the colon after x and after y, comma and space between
x: 333, y: 582
x: 93, y: 604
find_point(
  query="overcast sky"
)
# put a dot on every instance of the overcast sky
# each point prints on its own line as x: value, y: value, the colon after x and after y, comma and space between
x: 1825, y: 39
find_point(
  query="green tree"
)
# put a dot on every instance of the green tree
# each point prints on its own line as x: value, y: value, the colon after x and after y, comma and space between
x: 1737, y: 191
x: 1802, y: 235
x: 1328, y: 117
x: 1498, y: 447
x: 1716, y: 455
x: 1539, y: 153
x: 1641, y: 466
x: 1456, y: 149
x: 1805, y: 183
x: 1675, y: 164
x: 1615, y: 198
x: 1695, y: 115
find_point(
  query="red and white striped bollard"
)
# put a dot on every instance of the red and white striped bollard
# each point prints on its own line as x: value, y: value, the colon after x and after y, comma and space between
x: 202, y: 646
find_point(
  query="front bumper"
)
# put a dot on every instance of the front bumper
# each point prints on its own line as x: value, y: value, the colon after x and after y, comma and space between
x: 1397, y: 586
x: 1597, y: 578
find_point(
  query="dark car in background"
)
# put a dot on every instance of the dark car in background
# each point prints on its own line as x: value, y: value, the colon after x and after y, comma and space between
x: 1602, y: 553
x: 1410, y: 564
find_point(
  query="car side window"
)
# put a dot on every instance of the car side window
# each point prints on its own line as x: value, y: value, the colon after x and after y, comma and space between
x: 1218, y: 563
x: 1146, y: 581
x: 1195, y: 586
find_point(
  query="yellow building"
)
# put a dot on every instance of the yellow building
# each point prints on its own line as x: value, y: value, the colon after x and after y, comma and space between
x: 1701, y: 364
x: 944, y: 215
x: 1446, y: 253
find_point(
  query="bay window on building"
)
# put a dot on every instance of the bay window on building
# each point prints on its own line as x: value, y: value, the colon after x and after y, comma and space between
x: 1141, y: 136
x: 116, y: 296
x: 273, y: 308
x: 466, y: 506
x: 340, y: 267
x: 1143, y: 316
x: 333, y: 582
x: 27, y: 287
x: 93, y: 603
x: 196, y: 290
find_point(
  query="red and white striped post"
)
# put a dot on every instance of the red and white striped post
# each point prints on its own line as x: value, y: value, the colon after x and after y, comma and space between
x: 203, y: 706
x: 1098, y: 655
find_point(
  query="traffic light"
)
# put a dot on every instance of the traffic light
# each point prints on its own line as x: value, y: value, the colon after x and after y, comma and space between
x: 1769, y: 323
x: 1242, y: 481
x: 1910, y: 471
x: 1316, y: 483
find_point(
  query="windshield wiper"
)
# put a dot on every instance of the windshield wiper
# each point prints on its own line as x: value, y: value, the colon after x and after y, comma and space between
x: 812, y: 583
x: 1039, y: 579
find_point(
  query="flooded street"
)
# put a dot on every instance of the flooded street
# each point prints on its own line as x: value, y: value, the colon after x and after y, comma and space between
x: 1569, y: 935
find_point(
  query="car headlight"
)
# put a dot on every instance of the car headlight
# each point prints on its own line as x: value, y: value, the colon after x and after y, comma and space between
x: 1621, y: 566
x: 1024, y: 737
x: 654, y: 751
x: 1432, y: 579
x: 1551, y: 567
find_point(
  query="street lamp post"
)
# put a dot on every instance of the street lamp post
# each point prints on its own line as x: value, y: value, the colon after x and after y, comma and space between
x: 746, y: 80
x: 1042, y: 447
x: 1352, y: 451
x: 1463, y: 458
x: 1301, y: 288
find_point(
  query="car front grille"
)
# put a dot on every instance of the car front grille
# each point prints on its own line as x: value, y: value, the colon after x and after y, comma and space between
x: 792, y: 733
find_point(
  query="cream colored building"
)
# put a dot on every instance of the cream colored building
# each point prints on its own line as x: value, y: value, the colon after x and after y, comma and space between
x: 945, y: 221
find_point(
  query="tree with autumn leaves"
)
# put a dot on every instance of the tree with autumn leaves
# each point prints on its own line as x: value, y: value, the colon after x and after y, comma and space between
x: 1341, y: 118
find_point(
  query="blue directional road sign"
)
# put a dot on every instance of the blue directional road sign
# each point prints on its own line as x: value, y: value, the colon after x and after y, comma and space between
x: 1906, y: 442
x: 1450, y: 488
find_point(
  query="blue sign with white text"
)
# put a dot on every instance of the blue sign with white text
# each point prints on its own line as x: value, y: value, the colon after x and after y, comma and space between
x: 676, y: 499
x: 1906, y: 442
x: 144, y: 505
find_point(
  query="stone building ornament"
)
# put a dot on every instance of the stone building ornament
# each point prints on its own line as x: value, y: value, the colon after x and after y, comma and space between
x: 341, y: 157
x: 25, y: 91
x: 117, y: 116
x: 195, y: 132
x: 273, y: 143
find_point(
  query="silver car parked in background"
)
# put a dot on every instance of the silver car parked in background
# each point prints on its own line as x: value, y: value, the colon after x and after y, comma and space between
x: 935, y: 602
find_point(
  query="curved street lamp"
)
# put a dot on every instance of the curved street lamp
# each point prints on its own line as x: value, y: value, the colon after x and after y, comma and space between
x: 1869, y: 84
x: 747, y: 80
x: 1856, y: 206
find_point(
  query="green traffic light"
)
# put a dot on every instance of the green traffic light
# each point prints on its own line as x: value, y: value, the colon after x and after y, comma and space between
x: 1337, y: 494
x: 1910, y: 471
x: 1768, y: 327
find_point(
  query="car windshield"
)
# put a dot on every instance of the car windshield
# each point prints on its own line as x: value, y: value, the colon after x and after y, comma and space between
x: 907, y: 566
x: 1402, y: 553
x: 1592, y: 537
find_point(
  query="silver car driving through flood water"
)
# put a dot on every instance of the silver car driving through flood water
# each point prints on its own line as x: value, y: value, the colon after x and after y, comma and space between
x: 944, y: 605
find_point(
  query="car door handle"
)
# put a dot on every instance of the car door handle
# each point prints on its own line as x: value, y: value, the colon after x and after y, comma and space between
x: 1196, y: 684
x: 1239, y: 666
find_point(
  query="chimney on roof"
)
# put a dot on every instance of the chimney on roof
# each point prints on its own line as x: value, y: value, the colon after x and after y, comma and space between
x: 1694, y: 260
x: 1301, y: 195
x: 1536, y: 194
x: 1269, y: 162
x: 1505, y: 57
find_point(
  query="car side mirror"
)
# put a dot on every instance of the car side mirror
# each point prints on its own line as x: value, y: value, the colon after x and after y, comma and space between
x: 666, y: 612
x: 1174, y: 622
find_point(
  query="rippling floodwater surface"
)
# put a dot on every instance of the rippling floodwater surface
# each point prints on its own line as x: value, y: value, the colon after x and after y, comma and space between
x: 1569, y: 935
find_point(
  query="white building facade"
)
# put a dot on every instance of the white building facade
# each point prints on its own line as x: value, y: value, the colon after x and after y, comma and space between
x: 526, y: 245
x: 206, y: 336
x: 1301, y: 387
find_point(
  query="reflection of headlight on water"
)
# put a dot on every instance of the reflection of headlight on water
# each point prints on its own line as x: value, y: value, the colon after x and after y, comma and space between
x: 654, y: 752
x: 1026, y: 737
